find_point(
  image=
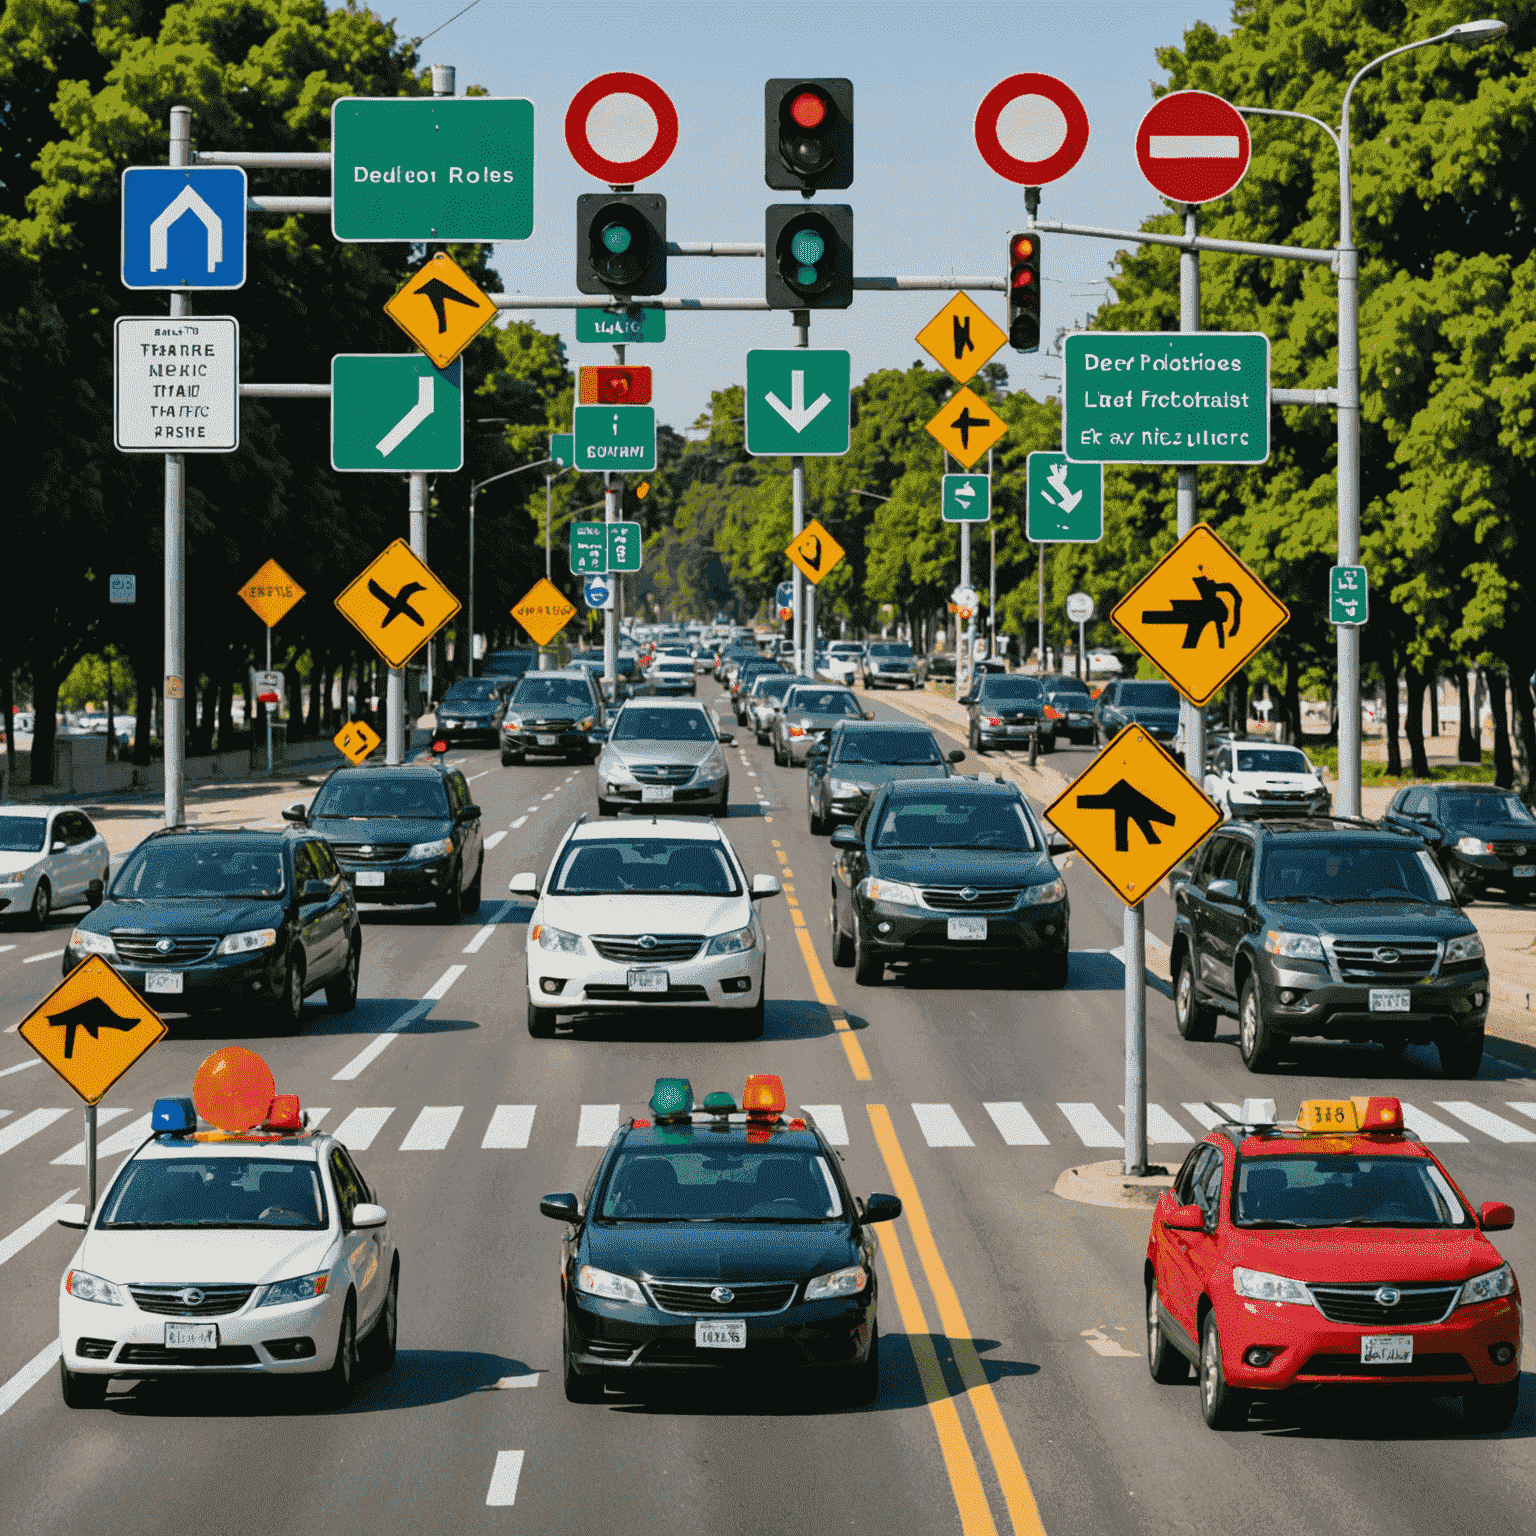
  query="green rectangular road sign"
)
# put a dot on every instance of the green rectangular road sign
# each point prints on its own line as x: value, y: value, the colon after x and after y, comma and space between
x: 623, y: 546
x: 562, y: 449
x: 629, y: 328
x: 621, y: 437
x: 600, y: 548
x: 1163, y: 397
x: 1064, y: 502
x: 1349, y: 598
x: 432, y: 168
x: 798, y: 402
x: 966, y: 498
x: 396, y: 413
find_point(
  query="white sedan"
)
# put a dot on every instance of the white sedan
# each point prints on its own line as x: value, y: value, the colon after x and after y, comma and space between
x: 1265, y: 779
x: 842, y: 663
x: 50, y: 856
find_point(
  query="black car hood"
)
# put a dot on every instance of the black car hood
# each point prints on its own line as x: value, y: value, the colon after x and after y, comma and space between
x: 869, y: 775
x: 982, y: 867
x: 381, y: 829
x: 1492, y: 832
x: 159, y: 915
x: 1153, y: 719
x: 750, y: 1251
x: 1379, y: 920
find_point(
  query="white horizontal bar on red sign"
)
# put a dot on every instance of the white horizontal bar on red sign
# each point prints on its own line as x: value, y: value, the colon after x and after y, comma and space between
x: 1194, y: 146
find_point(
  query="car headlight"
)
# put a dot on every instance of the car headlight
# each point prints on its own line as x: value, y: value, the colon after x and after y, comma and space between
x: 843, y: 789
x: 1487, y: 1287
x: 1469, y: 948
x: 614, y: 768
x: 1259, y: 1286
x: 713, y: 766
x: 587, y: 724
x: 438, y: 848
x: 557, y: 939
x: 300, y: 1288
x: 840, y: 1282
x: 83, y: 942
x: 244, y: 943
x: 513, y: 722
x: 88, y: 1287
x: 889, y: 890
x: 1043, y: 894
x: 1473, y: 845
x: 448, y: 725
x: 611, y: 1287
x: 1293, y: 946
x: 735, y: 943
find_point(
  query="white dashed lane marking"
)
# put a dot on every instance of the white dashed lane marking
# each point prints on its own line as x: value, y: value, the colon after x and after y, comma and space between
x: 504, y: 1476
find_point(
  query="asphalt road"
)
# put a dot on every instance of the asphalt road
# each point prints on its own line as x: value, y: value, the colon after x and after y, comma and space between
x: 1015, y: 1395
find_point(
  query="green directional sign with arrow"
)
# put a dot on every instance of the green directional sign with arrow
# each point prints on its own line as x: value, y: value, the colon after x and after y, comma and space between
x: 1064, y: 502
x: 798, y: 402
x: 621, y: 437
x: 398, y: 414
x: 966, y: 498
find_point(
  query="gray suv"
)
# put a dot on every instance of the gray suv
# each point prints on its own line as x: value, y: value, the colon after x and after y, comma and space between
x: 808, y: 713
x: 664, y: 752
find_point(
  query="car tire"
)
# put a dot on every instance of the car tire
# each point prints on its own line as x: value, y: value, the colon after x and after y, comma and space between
x: 341, y: 994
x: 578, y: 1388
x: 1048, y: 743
x: 868, y: 970
x: 818, y: 823
x: 1461, y: 1054
x: 450, y: 907
x: 472, y: 895
x: 607, y: 808
x: 762, y: 738
x: 842, y: 943
x: 337, y: 1383
x: 513, y: 759
x: 1257, y: 1040
x: 541, y: 1021
x: 383, y: 1339
x: 95, y: 899
x: 1195, y: 1020
x: 1221, y: 1406
x: 1168, y: 1367
x: 81, y: 1391
x: 750, y: 1023
x: 975, y: 742
x: 42, y: 905
x: 1487, y: 1410
x: 778, y: 757
x: 289, y: 1007
x: 863, y: 1385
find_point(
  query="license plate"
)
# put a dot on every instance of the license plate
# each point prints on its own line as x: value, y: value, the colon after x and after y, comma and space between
x: 163, y: 981
x: 656, y: 794
x: 191, y: 1335
x: 647, y: 981
x: 721, y: 1333
x: 1386, y: 1349
x: 1395, y: 1001
x: 546, y: 741
x: 373, y: 877
x: 967, y: 927
x: 1525, y: 871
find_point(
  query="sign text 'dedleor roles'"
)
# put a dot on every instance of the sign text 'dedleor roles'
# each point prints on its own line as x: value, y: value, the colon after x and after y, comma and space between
x: 1166, y: 398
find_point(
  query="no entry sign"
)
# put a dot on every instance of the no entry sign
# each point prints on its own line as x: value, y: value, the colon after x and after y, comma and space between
x: 621, y: 128
x: 1193, y: 146
x: 1031, y: 129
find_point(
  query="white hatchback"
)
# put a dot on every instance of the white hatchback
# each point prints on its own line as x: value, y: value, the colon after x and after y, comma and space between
x: 49, y: 857
x: 645, y: 914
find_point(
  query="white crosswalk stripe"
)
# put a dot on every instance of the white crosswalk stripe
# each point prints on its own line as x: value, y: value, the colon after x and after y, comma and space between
x: 358, y: 1130
x: 432, y: 1129
x: 597, y: 1124
x: 1093, y: 1130
x: 28, y: 1126
x: 75, y: 1157
x: 1485, y: 1120
x: 510, y: 1126
x: 1016, y: 1125
x: 1524, y: 1109
x: 1211, y: 1115
x: 1161, y: 1126
x: 1426, y: 1127
x: 941, y: 1126
x: 830, y: 1121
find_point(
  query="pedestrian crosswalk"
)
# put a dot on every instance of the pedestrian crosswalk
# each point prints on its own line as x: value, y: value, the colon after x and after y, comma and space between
x: 1069, y: 1125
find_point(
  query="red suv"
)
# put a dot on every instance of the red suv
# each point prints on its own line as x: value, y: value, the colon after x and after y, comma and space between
x: 1335, y: 1251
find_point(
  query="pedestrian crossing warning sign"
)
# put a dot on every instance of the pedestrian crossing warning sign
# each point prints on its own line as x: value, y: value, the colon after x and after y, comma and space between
x: 397, y: 604
x: 355, y: 740
x: 1200, y: 614
x: 544, y: 611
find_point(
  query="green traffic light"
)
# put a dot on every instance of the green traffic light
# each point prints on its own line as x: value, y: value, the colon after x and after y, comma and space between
x: 808, y: 248
x: 617, y: 238
x: 807, y: 276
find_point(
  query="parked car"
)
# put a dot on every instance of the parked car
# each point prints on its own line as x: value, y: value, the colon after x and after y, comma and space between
x: 50, y: 857
x: 889, y: 664
x: 1128, y: 701
x: 1259, y: 778
x: 1007, y: 712
x: 1484, y: 838
x: 942, y: 665
x: 809, y: 711
x: 1068, y: 710
x: 859, y: 756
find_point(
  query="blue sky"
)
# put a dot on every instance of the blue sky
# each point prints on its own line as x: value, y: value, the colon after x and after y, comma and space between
x: 924, y: 201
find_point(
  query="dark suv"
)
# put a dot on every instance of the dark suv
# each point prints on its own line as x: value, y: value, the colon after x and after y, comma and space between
x: 1482, y: 836
x: 1330, y: 928
x: 1154, y: 706
x: 1008, y: 711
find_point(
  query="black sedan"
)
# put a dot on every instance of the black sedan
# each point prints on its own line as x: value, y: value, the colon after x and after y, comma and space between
x: 1007, y: 712
x: 1153, y: 706
x: 472, y: 710
x: 719, y: 1242
x: 1484, y: 838
x: 1068, y: 710
x: 404, y: 836
x: 201, y: 919
x: 859, y: 756
x: 948, y: 870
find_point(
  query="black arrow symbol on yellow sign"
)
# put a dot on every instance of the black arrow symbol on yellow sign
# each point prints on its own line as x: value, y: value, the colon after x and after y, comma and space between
x: 1128, y: 804
x: 92, y: 1016
x: 810, y: 552
x: 440, y: 295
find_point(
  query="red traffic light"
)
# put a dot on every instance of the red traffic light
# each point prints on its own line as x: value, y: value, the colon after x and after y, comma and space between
x: 615, y: 386
x: 809, y: 109
x: 1023, y: 247
x: 1024, y: 279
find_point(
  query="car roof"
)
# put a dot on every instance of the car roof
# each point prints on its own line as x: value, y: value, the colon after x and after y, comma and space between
x: 389, y: 770
x: 1317, y: 826
x: 958, y: 785
x: 39, y: 811
x: 304, y: 1147
x: 272, y: 834
x: 647, y: 702
x: 684, y: 830
x: 706, y: 1136
x: 847, y: 726
x: 1462, y: 789
x: 574, y: 674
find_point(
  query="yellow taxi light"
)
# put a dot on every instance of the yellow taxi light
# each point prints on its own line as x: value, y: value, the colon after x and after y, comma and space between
x: 764, y: 1095
x: 1329, y: 1117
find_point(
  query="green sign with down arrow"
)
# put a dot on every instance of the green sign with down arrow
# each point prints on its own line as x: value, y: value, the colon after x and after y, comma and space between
x: 798, y: 402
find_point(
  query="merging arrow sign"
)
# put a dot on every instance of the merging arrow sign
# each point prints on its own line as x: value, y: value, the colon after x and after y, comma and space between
x: 797, y: 413
x: 412, y: 419
x: 1058, y: 481
x: 186, y: 201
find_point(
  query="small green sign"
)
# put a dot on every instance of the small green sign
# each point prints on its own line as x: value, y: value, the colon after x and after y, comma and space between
x: 1348, y: 596
x: 623, y: 546
x: 798, y: 402
x: 398, y: 414
x: 966, y: 498
x: 621, y: 437
x: 562, y: 449
x: 628, y: 328
x: 600, y: 548
x: 1064, y: 502
x: 1166, y: 397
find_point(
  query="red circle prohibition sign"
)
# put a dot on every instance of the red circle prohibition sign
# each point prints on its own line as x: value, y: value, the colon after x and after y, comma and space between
x: 621, y: 172
x: 1031, y: 173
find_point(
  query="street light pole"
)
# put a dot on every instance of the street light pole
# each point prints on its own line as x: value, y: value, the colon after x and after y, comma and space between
x: 474, y: 491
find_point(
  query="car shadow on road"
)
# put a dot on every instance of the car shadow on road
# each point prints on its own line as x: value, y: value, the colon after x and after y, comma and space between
x: 784, y: 1019
x: 377, y: 1016
x: 1374, y: 1065
x: 1381, y: 1413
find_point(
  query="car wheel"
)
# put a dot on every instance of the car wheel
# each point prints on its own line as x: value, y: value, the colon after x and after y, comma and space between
x: 975, y: 742
x: 472, y: 895
x: 1221, y: 1406
x: 749, y: 1024
x: 864, y: 1380
x: 1461, y: 1054
x: 1489, y: 1409
x: 341, y: 994
x: 818, y: 822
x: 762, y: 739
x: 382, y: 1341
x: 578, y: 1388
x: 93, y: 899
x: 868, y: 970
x: 80, y: 1391
x: 450, y: 907
x: 607, y: 808
x: 513, y: 759
x: 1194, y: 1019
x: 1168, y: 1367
x: 1048, y: 743
x: 336, y: 1384
x: 842, y: 943
x: 778, y: 756
x: 541, y: 1021
x: 1257, y: 1041
x: 290, y: 1005
x: 42, y: 905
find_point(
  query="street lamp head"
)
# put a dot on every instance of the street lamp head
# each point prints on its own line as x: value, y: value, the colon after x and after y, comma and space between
x: 1472, y: 34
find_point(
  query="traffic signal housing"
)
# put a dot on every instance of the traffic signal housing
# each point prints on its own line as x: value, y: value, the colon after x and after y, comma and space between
x: 1024, y: 292
x: 808, y: 134
x: 608, y: 385
x: 809, y: 253
x: 621, y: 243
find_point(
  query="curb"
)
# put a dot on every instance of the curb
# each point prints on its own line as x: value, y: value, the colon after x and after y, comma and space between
x: 1107, y: 1184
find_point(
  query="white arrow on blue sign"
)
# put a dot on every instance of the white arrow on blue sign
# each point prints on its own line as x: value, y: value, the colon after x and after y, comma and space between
x: 184, y: 226
x: 598, y: 591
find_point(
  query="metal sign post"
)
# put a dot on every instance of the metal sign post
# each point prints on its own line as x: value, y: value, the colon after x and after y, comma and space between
x: 802, y: 323
x: 1135, y: 943
x: 269, y: 712
x: 90, y: 1161
x: 1193, y: 719
x: 173, y: 704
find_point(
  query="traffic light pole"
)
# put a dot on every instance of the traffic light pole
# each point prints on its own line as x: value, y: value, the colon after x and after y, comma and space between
x: 963, y: 623
x: 803, y: 664
x: 610, y: 615
x: 1189, y: 320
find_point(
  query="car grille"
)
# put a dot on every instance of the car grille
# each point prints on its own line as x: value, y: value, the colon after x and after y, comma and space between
x: 603, y: 992
x: 1358, y: 1304
x: 662, y: 773
x: 547, y: 725
x: 694, y: 1296
x: 1513, y: 850
x: 1383, y: 960
x: 947, y: 898
x: 370, y: 853
x: 1283, y: 796
x: 218, y: 1300
x: 666, y: 946
x: 1420, y: 1365
x: 144, y: 948
x: 158, y: 1354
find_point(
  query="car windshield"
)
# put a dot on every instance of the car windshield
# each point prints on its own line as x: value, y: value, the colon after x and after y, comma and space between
x: 541, y: 692
x: 192, y: 867
x: 985, y: 821
x: 22, y: 834
x: 823, y: 701
x: 638, y: 723
x: 1068, y: 685
x: 509, y: 663
x: 888, y: 746
x: 1010, y: 688
x: 1148, y: 695
x: 216, y: 1192
x: 1352, y: 871
x: 771, y: 685
x: 1346, y: 1190
x: 475, y: 688
x: 720, y: 1184
x: 890, y: 648
x: 646, y: 866
x: 1272, y: 760
x: 413, y: 797
x: 1476, y: 809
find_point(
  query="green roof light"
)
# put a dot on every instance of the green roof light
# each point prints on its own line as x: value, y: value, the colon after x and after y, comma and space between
x: 672, y: 1099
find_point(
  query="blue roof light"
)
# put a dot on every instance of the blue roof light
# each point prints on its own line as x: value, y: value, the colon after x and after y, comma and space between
x: 173, y: 1116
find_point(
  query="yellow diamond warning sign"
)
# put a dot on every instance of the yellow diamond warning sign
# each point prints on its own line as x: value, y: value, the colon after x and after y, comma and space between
x: 815, y: 551
x: 967, y: 427
x: 441, y: 309
x: 544, y: 611
x: 271, y: 592
x: 1133, y: 814
x: 397, y: 604
x: 1200, y: 614
x: 961, y: 337
x: 355, y: 740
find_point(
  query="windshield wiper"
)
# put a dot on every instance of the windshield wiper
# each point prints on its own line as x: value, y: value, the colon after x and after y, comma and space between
x: 1376, y: 1221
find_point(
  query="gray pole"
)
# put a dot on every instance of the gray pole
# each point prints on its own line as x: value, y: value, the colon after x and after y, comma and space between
x: 991, y: 567
x: 1348, y: 635
x: 173, y: 703
x: 964, y: 622
x: 610, y: 615
x: 1043, y: 548
x: 1082, y: 627
x: 90, y: 1161
x: 1135, y: 942
x: 549, y: 495
x: 469, y: 656
x: 801, y: 319
x: 1189, y: 320
x: 269, y: 707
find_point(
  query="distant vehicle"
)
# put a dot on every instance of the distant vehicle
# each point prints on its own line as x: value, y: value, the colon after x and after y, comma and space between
x: 1255, y: 778
x: 809, y: 711
x: 558, y: 713
x: 1069, y: 709
x: 1484, y: 838
x: 859, y: 756
x: 842, y: 661
x: 1152, y: 705
x: 889, y: 664
x: 49, y: 857
x: 511, y: 663
x: 1007, y: 712
x: 664, y: 752
x: 472, y: 709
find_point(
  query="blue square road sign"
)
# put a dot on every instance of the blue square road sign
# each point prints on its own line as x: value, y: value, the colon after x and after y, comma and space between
x: 184, y: 226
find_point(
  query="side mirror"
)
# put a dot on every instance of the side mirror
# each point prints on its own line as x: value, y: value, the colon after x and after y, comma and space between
x: 59, y: 845
x: 298, y: 812
x: 765, y: 885
x: 469, y: 813
x: 73, y: 1216
x: 1495, y: 1216
x: 314, y: 890
x: 880, y: 1208
x: 95, y: 888
x: 846, y: 837
x: 560, y: 1208
x: 525, y: 884
x: 869, y: 714
x: 957, y: 756
x: 726, y: 738
x: 970, y: 698
x: 366, y: 1215
x: 1057, y: 842
x: 1223, y: 890
x: 1185, y: 1218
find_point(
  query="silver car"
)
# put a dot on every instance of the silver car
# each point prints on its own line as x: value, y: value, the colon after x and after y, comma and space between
x: 765, y: 700
x: 664, y: 752
x: 809, y: 712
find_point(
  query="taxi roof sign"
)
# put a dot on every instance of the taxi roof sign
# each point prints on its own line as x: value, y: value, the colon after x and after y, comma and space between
x: 396, y: 604
x: 544, y: 610
x: 270, y: 593
x: 815, y: 551
x: 961, y: 337
x: 91, y: 1028
x: 442, y: 309
x: 1333, y: 1117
